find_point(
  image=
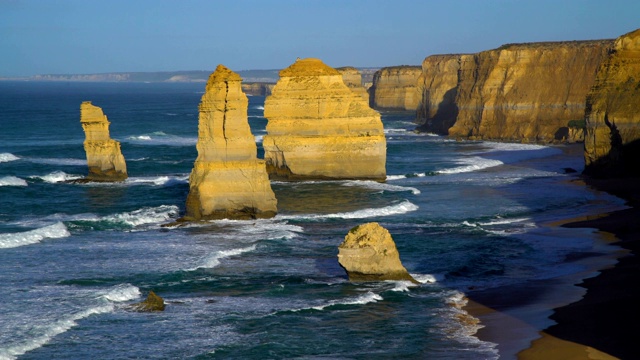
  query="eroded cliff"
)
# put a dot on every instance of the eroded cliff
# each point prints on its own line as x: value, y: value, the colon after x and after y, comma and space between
x: 612, y: 141
x: 104, y: 158
x: 395, y: 88
x: 353, y: 79
x: 227, y: 180
x: 319, y: 129
x: 532, y: 92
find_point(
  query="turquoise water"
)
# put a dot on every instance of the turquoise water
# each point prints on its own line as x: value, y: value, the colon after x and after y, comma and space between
x: 464, y: 215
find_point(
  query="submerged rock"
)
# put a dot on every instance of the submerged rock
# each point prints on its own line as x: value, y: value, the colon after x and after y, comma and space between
x: 152, y: 303
x: 227, y: 180
x: 104, y: 157
x: 319, y: 129
x: 368, y: 253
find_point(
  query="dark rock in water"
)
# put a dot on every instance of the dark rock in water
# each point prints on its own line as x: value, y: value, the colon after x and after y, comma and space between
x: 152, y: 303
x: 568, y: 170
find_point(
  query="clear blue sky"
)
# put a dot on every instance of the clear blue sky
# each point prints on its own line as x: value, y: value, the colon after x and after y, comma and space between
x: 93, y: 36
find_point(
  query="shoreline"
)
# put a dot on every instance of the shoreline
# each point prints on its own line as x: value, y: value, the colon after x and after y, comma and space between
x: 576, y: 316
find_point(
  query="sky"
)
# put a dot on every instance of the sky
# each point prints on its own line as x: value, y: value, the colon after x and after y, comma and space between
x: 99, y: 36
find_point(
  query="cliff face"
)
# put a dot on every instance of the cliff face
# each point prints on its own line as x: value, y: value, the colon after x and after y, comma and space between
x: 318, y: 128
x: 227, y: 180
x: 438, y: 89
x: 353, y: 79
x: 395, y: 88
x: 258, y: 88
x: 526, y: 92
x: 612, y: 141
x: 104, y: 157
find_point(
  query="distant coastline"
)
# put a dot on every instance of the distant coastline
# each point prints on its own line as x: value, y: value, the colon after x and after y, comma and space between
x: 262, y: 76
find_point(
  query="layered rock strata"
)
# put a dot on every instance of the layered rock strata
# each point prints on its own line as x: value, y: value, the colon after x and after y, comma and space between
x: 353, y: 79
x: 227, y: 180
x: 612, y: 141
x: 257, y: 88
x: 104, y: 157
x: 319, y: 129
x: 368, y: 253
x: 526, y: 92
x: 395, y: 88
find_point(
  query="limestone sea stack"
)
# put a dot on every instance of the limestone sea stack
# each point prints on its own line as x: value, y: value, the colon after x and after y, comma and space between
x: 395, y: 88
x: 353, y: 79
x: 612, y: 141
x: 227, y: 180
x: 319, y: 129
x: 368, y: 253
x: 104, y: 157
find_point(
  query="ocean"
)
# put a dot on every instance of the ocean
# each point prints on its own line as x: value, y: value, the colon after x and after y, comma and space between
x: 466, y: 217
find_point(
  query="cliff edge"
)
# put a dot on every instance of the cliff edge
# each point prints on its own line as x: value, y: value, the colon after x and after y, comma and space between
x: 395, y: 88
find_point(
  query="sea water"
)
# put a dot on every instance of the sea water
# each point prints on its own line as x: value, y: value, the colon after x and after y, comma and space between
x: 464, y: 215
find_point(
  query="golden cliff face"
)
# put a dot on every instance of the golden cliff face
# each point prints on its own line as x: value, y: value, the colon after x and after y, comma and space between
x: 104, y: 157
x: 319, y: 129
x: 227, y: 180
x: 353, y: 79
x: 612, y: 140
x: 395, y: 88
x: 438, y: 88
x: 526, y: 92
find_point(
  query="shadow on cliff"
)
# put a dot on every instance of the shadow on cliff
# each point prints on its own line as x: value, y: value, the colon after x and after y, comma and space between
x: 444, y: 118
x: 623, y: 160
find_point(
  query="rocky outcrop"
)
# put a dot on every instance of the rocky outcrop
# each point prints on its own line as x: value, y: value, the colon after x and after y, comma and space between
x: 395, y: 88
x: 438, y: 89
x: 104, y: 157
x: 368, y: 253
x: 353, y: 79
x: 612, y: 141
x: 526, y: 92
x: 227, y: 180
x: 152, y: 303
x: 319, y: 129
x: 257, y: 88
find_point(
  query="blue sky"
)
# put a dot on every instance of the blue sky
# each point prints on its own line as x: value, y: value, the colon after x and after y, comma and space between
x: 94, y: 36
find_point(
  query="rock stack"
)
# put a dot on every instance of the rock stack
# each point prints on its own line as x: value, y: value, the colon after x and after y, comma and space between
x: 227, y: 180
x: 319, y: 129
x: 353, y: 79
x: 396, y: 88
x: 104, y: 157
x: 368, y: 253
x: 612, y: 140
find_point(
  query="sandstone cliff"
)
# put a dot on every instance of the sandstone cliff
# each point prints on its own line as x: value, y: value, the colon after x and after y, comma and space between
x: 395, y: 88
x: 438, y: 89
x: 227, y: 180
x: 104, y: 157
x: 258, y: 88
x: 526, y: 92
x: 368, y: 253
x: 612, y: 141
x: 319, y: 129
x: 353, y: 79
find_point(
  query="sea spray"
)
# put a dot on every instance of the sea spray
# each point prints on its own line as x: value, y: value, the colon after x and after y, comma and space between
x: 55, y: 231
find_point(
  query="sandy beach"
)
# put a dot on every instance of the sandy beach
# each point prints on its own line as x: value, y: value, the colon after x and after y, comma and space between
x: 594, y: 327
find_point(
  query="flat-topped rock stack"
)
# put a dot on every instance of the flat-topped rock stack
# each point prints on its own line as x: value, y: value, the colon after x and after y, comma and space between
x: 319, y: 129
x: 227, y: 180
x: 104, y: 158
x: 353, y: 79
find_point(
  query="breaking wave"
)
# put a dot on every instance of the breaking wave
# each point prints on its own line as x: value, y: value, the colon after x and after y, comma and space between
x: 12, y: 181
x: 55, y: 231
x: 6, y: 157
x: 397, y: 209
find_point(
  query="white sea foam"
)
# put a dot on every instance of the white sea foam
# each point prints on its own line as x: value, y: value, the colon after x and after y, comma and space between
x: 58, y: 161
x: 499, y: 146
x: 55, y: 231
x: 397, y: 209
x: 259, y: 107
x: 122, y: 292
x: 381, y: 186
x: 365, y: 298
x: 428, y: 278
x: 261, y: 229
x: 56, y: 177
x: 213, y: 260
x: 12, y: 181
x: 259, y: 138
x: 157, y: 180
x: 45, y: 334
x: 400, y: 177
x: 147, y: 215
x: 6, y: 157
x: 474, y: 163
x: 161, y: 138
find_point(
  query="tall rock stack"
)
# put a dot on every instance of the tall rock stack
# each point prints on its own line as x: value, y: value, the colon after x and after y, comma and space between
x: 104, y: 157
x: 353, y: 79
x: 319, y: 129
x: 395, y: 88
x: 612, y: 140
x: 227, y: 180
